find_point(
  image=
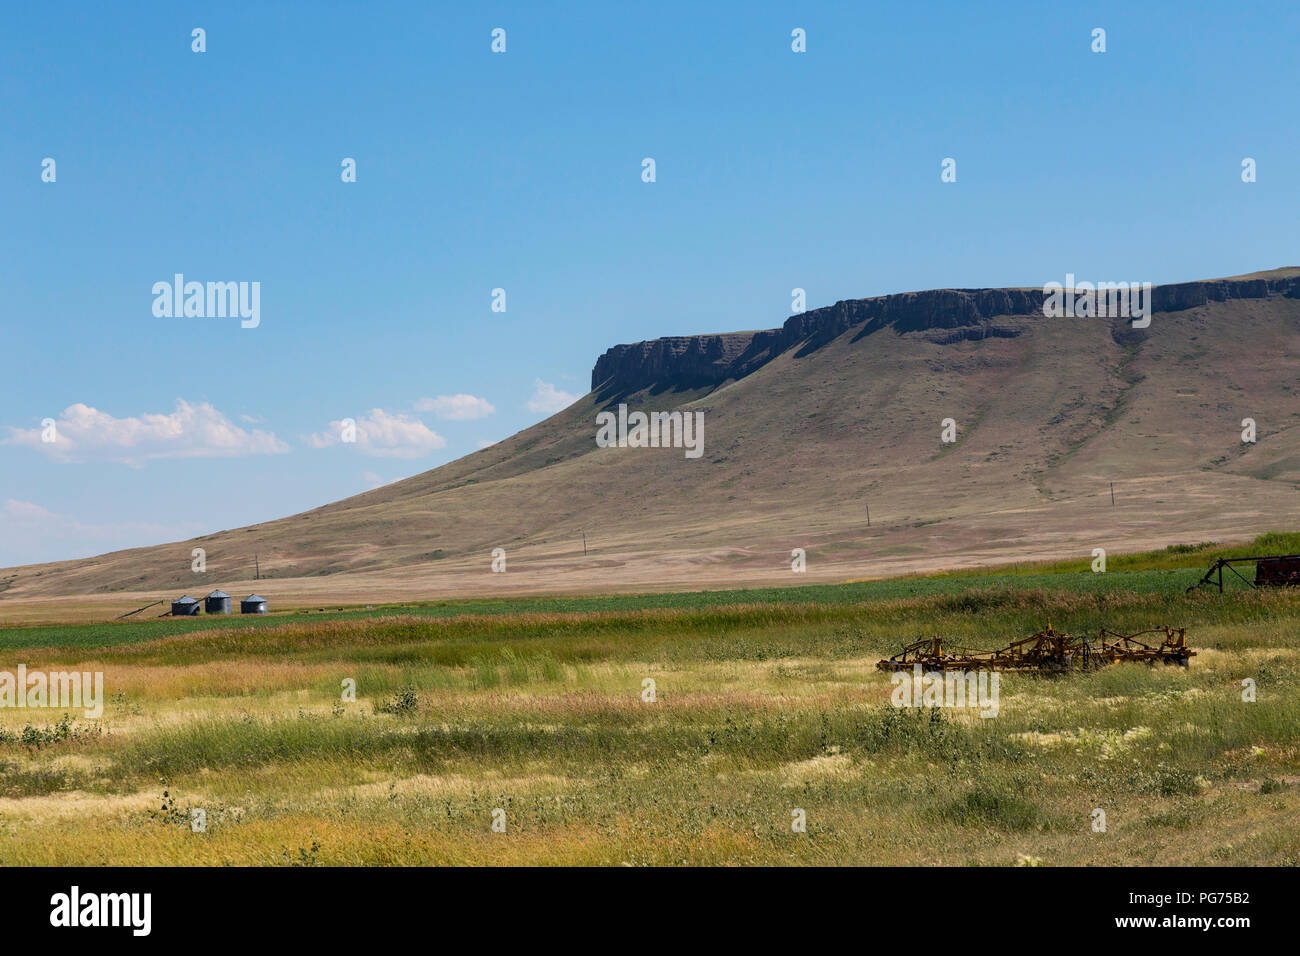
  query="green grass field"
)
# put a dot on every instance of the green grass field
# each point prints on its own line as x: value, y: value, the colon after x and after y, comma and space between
x: 767, y: 703
x: 1172, y: 569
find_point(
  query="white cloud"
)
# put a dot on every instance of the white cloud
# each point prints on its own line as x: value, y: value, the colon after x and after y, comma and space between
x: 31, y: 534
x: 382, y: 435
x: 24, y: 512
x: 548, y: 399
x: 456, y: 408
x: 375, y: 480
x: 86, y: 434
x: 486, y: 443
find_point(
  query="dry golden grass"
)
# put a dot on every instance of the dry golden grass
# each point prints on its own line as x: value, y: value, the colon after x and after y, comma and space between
x: 757, y: 713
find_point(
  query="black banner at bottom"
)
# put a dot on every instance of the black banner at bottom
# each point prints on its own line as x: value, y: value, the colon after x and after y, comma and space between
x: 329, y: 905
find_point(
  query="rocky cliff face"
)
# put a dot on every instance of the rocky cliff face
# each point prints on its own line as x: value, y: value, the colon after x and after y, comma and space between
x: 944, y: 315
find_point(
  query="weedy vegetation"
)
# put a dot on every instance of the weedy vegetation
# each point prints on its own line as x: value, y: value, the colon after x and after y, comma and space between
x: 764, y: 704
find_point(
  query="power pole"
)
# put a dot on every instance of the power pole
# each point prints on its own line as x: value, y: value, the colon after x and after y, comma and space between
x: 584, y: 542
x: 868, y: 516
x: 1112, y: 494
x: 257, y: 569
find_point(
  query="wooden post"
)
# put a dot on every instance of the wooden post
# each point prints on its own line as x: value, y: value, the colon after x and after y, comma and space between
x: 1112, y: 494
x: 868, y: 516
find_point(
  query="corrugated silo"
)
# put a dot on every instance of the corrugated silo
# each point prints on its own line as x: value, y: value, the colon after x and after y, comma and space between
x: 218, y: 602
x: 185, y: 606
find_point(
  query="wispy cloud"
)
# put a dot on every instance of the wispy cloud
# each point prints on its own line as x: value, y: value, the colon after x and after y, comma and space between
x: 547, y: 399
x: 383, y: 435
x: 456, y: 408
x: 83, y: 434
x: 30, y: 533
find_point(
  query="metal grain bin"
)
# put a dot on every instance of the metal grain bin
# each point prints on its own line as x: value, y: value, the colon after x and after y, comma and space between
x: 254, y: 604
x: 218, y: 602
x: 185, y: 606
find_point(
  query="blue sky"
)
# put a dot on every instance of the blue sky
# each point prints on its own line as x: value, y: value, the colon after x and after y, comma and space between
x: 522, y: 171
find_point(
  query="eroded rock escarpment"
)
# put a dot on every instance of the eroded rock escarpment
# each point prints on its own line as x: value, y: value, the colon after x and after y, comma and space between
x: 945, y: 315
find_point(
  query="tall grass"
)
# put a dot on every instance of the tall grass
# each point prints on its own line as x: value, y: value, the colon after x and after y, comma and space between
x: 762, y: 709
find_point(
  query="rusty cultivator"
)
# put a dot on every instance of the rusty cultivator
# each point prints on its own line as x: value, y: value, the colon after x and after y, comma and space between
x: 1047, y: 651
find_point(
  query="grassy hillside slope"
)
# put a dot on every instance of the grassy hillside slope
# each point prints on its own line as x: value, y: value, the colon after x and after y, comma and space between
x: 1049, y: 413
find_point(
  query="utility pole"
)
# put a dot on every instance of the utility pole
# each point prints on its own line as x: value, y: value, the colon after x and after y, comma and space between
x: 1112, y: 494
x: 257, y: 569
x: 584, y: 542
x: 868, y: 516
